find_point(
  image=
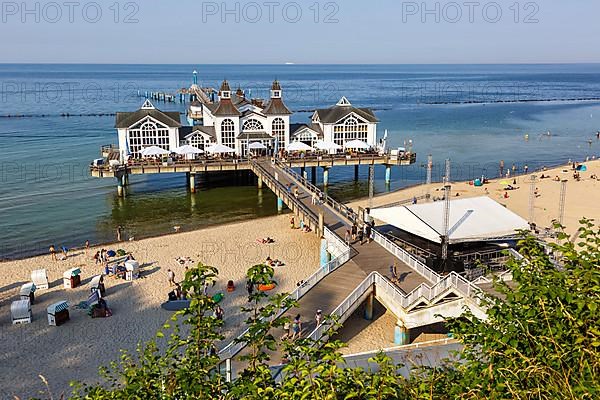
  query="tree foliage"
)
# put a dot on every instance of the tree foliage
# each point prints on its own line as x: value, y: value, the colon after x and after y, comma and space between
x: 541, y: 340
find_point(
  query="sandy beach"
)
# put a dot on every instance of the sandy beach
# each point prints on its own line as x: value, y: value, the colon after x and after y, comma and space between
x: 75, y: 350
x: 580, y: 200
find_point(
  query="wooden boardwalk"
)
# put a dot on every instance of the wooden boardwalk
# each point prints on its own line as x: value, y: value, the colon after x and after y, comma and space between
x: 333, y: 289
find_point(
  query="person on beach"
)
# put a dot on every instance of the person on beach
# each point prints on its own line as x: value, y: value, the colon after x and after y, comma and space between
x: 119, y: 233
x: 65, y: 251
x: 219, y: 313
x: 292, y: 223
x: 171, y: 277
x: 96, y: 258
x: 296, y: 328
x: 52, y: 250
x: 87, y: 247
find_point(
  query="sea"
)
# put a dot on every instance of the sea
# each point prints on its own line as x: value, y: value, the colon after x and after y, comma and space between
x: 55, y: 118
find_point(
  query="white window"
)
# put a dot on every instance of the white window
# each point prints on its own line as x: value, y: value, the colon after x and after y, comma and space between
x: 350, y: 129
x: 307, y: 137
x: 228, y: 133
x: 278, y: 131
x: 252, y: 125
x: 145, y: 135
x: 198, y: 140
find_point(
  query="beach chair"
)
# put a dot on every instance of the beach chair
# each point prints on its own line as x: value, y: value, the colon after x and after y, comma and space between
x: 58, y: 313
x: 133, y: 270
x: 72, y: 278
x: 40, y: 279
x: 97, y: 284
x: 20, y: 312
x: 27, y: 292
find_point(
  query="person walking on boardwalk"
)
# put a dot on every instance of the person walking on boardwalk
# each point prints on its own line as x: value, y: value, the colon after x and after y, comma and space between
x: 318, y: 318
x: 360, y: 236
x: 347, y: 237
x: 353, y: 231
x: 296, y: 328
x: 171, y: 276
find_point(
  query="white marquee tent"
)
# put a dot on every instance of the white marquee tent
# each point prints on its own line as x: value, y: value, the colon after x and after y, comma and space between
x: 299, y: 146
x: 472, y: 219
x: 219, y: 149
x: 188, y: 150
x: 154, y: 151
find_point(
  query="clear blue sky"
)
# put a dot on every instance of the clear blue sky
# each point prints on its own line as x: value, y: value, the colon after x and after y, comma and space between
x: 378, y: 31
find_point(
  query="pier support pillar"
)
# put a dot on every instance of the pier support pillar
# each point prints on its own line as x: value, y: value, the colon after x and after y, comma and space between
x: 324, y: 253
x: 401, y: 336
x: 120, y: 190
x: 321, y: 224
x: 279, y: 204
x: 356, y: 169
x: 325, y: 176
x: 313, y: 175
x: 260, y: 183
x: 193, y: 183
x: 388, y: 174
x: 369, y: 307
x: 126, y: 180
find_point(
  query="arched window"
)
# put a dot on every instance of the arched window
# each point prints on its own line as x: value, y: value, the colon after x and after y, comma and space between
x: 278, y: 131
x: 252, y: 125
x: 349, y: 130
x: 198, y: 140
x: 147, y: 134
x: 228, y: 133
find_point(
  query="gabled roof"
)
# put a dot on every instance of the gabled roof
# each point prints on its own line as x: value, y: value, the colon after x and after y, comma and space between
x: 168, y: 118
x: 337, y: 113
x: 186, y: 132
x: 276, y: 107
x: 226, y: 108
x: 297, y: 128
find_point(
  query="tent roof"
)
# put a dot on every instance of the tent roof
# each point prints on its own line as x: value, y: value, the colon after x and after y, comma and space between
x: 471, y: 219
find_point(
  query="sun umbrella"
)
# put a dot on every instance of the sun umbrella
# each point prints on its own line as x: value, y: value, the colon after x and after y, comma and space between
x: 257, y: 146
x: 322, y: 145
x: 154, y: 151
x: 299, y: 146
x: 188, y: 149
x: 356, y: 144
x: 219, y: 149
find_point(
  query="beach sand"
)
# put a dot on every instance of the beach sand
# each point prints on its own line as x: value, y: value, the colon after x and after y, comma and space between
x: 581, y: 198
x: 75, y: 350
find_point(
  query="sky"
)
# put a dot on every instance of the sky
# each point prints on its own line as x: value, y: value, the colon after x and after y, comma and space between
x: 301, y: 31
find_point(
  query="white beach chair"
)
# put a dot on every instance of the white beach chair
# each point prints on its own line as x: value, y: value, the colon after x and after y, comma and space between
x: 40, y: 279
x: 133, y: 270
x: 27, y: 292
x: 20, y: 312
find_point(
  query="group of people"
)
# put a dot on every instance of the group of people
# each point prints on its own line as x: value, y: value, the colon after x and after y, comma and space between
x: 293, y: 330
x: 361, y: 234
x: 56, y: 255
x: 303, y: 227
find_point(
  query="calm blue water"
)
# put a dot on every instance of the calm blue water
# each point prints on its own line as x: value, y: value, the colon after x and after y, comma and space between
x: 47, y: 196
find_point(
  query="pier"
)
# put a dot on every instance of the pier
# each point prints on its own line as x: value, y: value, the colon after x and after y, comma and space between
x: 208, y: 165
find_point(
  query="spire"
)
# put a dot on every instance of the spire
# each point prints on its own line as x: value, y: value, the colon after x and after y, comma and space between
x: 239, y: 92
x: 276, y: 90
x: 225, y: 92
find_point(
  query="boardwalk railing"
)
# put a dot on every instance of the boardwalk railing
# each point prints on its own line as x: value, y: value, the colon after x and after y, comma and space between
x: 453, y: 279
x: 406, y: 258
x: 338, y: 207
x: 385, y: 288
